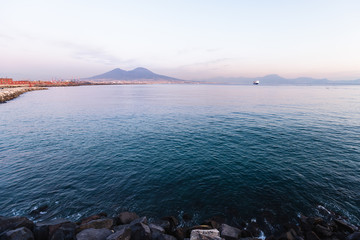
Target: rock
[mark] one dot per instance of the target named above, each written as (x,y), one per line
(66,231)
(12,223)
(22,233)
(172,220)
(97,224)
(139,220)
(316,220)
(312,236)
(245,234)
(165,225)
(354,236)
(140,230)
(271,237)
(121,227)
(344,226)
(45,230)
(181,233)
(161,236)
(229,233)
(93,234)
(339,235)
(93,217)
(126,217)
(291,235)
(156,228)
(198,234)
(124,234)
(202,227)
(211,223)
(253,228)
(305,225)
(322,231)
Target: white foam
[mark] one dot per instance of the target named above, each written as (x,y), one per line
(262,235)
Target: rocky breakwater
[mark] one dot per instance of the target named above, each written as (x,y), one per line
(129,226)
(8,94)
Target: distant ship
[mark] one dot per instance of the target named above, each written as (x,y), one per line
(256,82)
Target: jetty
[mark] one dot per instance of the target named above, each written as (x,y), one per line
(7,94)
(130,226)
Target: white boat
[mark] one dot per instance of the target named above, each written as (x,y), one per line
(256,82)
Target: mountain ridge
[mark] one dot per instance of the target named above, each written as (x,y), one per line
(274,79)
(138,73)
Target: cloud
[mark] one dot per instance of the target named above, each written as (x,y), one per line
(213,49)
(6,37)
(210,63)
(93,54)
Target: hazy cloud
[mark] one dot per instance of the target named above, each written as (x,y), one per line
(212,49)
(208,63)
(6,37)
(93,54)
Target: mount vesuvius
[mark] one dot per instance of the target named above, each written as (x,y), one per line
(136,75)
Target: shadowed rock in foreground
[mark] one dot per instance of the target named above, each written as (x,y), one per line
(8,94)
(129,226)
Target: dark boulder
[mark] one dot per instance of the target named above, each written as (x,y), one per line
(165,225)
(316,220)
(139,220)
(125,218)
(93,217)
(93,234)
(289,235)
(339,235)
(12,223)
(312,236)
(229,233)
(271,237)
(121,227)
(22,233)
(342,225)
(253,228)
(161,236)
(97,224)
(124,234)
(181,233)
(45,230)
(354,236)
(172,220)
(156,228)
(245,234)
(322,231)
(305,225)
(211,223)
(66,231)
(140,230)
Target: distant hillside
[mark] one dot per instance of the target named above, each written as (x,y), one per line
(277,80)
(139,74)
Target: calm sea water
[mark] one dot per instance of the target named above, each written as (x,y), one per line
(236,151)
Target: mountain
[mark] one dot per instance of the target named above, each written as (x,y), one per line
(138,74)
(274,79)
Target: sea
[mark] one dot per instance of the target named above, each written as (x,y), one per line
(236,152)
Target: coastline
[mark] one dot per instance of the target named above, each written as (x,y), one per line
(130,226)
(9,93)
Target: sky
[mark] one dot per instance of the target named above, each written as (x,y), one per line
(186,39)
